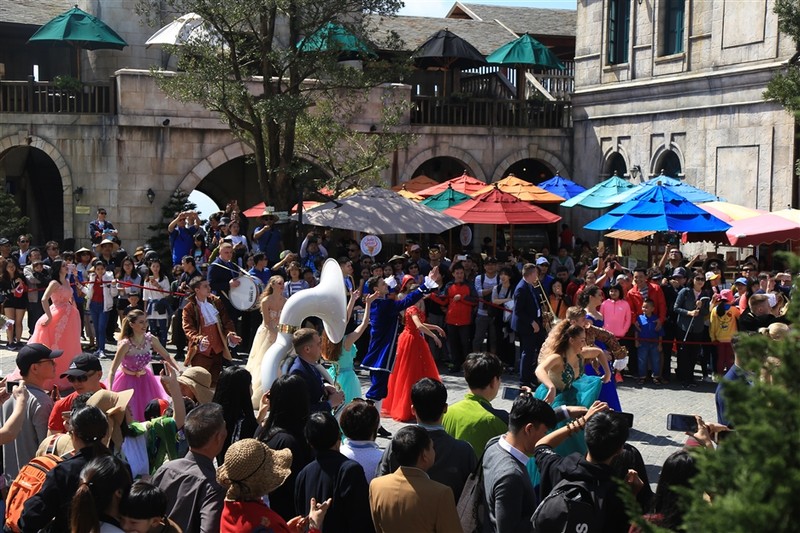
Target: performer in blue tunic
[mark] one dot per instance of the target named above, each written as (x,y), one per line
(384,319)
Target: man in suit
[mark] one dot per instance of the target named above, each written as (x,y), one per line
(408,500)
(510,498)
(526,321)
(308,345)
(208,329)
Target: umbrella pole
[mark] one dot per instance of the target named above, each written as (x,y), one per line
(521,82)
(494,239)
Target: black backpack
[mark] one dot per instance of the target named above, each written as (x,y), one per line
(471,506)
(572,506)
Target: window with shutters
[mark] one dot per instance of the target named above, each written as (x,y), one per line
(673,26)
(619,25)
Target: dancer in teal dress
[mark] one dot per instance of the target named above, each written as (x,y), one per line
(560,372)
(342,353)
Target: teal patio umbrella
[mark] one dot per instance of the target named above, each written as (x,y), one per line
(693,194)
(597,196)
(336,38)
(524,52)
(80,30)
(445,199)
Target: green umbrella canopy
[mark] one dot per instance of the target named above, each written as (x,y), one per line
(445,199)
(525,51)
(333,37)
(598,196)
(79,29)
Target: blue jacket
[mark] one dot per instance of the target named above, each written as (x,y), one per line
(526,309)
(314,383)
(383,316)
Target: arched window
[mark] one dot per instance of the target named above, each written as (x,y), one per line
(670,164)
(616,164)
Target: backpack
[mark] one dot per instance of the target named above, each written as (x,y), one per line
(572,506)
(27,483)
(471,507)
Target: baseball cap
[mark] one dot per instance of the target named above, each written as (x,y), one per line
(679,272)
(711,275)
(4,241)
(33,353)
(82,364)
(415,248)
(542,261)
(743,281)
(727,295)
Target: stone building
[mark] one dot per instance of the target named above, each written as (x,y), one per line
(678,86)
(119,143)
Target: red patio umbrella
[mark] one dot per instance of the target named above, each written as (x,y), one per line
(498,207)
(466,184)
(763,229)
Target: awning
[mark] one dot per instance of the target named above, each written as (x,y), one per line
(629,235)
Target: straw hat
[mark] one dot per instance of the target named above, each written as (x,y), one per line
(253,469)
(114,245)
(199,380)
(82,251)
(113,404)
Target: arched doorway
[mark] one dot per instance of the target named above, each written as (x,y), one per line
(442,169)
(615,164)
(33,179)
(530,170)
(669,164)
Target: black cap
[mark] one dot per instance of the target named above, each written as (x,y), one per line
(33,353)
(490,261)
(82,364)
(679,272)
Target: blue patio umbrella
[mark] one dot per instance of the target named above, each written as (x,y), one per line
(681,188)
(445,199)
(658,209)
(597,197)
(562,187)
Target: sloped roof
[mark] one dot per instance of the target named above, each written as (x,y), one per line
(536,21)
(483,35)
(32,12)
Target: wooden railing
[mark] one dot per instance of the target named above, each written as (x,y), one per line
(490,112)
(559,83)
(30,96)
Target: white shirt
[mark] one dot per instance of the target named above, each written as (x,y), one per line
(209,312)
(482,283)
(515,453)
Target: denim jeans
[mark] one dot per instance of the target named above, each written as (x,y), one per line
(648,355)
(158,327)
(99,319)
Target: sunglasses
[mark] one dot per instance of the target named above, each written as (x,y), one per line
(80,379)
(23,240)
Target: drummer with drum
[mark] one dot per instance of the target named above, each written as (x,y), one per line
(222,276)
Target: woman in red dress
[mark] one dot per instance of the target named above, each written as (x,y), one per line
(413,361)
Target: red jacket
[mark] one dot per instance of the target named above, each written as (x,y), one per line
(654,292)
(459,313)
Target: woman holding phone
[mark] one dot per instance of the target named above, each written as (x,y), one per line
(131,366)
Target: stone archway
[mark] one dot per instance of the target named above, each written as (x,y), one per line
(549,159)
(33,141)
(207,164)
(446,151)
(671,151)
(607,166)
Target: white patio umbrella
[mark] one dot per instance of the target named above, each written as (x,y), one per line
(189,28)
(380,212)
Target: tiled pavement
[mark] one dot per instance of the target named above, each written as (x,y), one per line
(649,405)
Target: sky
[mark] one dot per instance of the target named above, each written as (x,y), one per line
(439,8)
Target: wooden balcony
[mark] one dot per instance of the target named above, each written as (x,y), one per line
(94,98)
(490,112)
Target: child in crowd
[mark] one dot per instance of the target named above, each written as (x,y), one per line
(724,326)
(647,342)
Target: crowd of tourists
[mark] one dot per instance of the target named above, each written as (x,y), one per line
(190,439)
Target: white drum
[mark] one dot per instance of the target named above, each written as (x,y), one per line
(245,296)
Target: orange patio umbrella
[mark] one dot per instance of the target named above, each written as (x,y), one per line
(410,195)
(464,183)
(523,190)
(415,184)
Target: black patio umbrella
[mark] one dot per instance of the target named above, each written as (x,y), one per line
(444,50)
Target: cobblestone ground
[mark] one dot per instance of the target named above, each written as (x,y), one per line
(649,404)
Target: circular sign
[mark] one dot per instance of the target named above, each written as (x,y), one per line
(465,236)
(371,245)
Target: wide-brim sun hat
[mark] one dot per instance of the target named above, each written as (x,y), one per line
(199,380)
(252,469)
(113,404)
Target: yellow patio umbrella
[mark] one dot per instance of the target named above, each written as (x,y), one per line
(730,212)
(789,214)
(410,195)
(525,191)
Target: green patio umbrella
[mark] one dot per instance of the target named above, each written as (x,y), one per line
(445,199)
(524,52)
(333,37)
(78,29)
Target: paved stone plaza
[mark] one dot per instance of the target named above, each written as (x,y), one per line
(650,406)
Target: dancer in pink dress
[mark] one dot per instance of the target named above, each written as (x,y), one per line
(413,362)
(131,368)
(60,326)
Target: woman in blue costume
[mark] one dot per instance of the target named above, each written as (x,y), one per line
(342,353)
(560,372)
(590,300)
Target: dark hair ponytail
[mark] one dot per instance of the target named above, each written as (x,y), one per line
(99,481)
